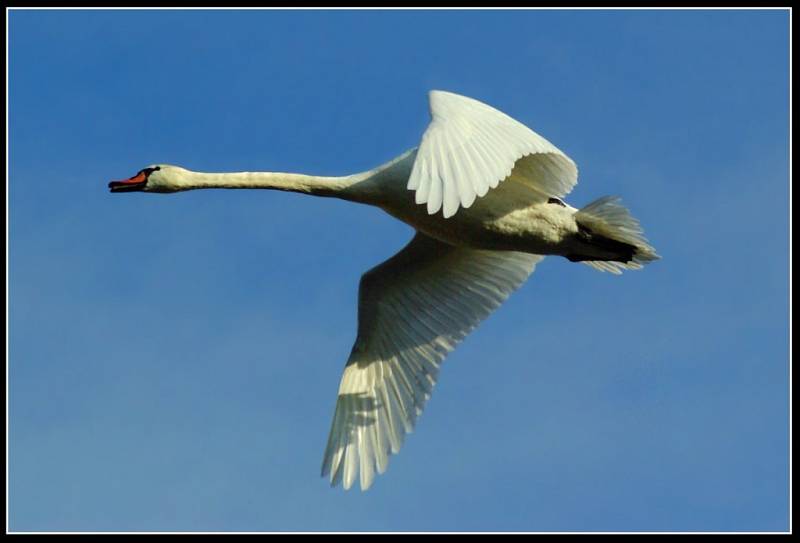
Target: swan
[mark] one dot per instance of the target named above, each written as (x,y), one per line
(485,196)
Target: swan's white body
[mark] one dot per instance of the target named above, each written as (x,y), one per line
(497,185)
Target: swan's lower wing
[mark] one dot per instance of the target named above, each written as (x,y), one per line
(470,147)
(413,309)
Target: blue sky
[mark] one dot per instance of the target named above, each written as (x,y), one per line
(174,359)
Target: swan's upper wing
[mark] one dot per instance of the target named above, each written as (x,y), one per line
(412,310)
(469,147)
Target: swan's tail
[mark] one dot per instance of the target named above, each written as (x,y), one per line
(612,238)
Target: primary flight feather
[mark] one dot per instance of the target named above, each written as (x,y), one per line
(484,194)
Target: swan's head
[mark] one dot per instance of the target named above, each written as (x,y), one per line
(155,178)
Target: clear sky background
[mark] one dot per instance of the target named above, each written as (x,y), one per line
(174,359)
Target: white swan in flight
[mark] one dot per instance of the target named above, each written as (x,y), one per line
(484,193)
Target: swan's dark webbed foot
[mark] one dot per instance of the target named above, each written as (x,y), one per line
(619,251)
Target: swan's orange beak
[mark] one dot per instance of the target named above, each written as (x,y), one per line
(137,182)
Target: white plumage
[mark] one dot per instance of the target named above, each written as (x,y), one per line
(498,185)
(413,310)
(470,147)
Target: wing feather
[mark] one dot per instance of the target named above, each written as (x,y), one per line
(470,147)
(413,310)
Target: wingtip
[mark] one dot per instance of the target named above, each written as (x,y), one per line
(434,94)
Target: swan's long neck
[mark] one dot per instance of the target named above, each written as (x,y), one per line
(379,186)
(294,182)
